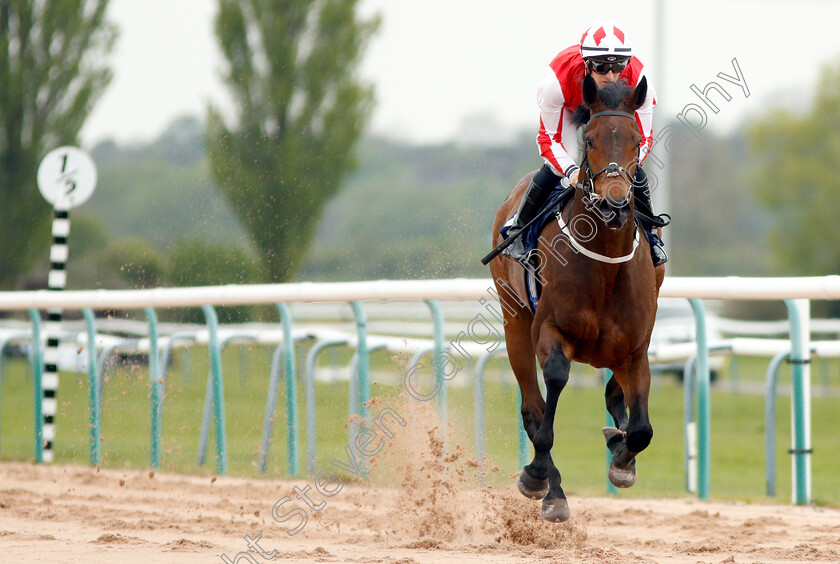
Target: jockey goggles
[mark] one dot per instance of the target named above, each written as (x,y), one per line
(601,67)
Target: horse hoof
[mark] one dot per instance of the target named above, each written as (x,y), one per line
(610,432)
(555,510)
(531,487)
(623,477)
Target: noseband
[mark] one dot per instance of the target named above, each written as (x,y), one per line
(612,169)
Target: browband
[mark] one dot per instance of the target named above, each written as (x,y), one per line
(612,113)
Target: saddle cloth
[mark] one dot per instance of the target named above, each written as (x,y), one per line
(531,238)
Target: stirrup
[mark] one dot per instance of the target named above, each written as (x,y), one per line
(516,250)
(658,255)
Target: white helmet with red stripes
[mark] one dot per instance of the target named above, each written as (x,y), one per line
(605,41)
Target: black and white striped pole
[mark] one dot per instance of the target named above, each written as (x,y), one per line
(66,178)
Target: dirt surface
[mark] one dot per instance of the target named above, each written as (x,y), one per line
(79,514)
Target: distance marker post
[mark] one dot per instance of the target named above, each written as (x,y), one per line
(66,178)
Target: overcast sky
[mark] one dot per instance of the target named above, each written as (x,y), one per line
(437,63)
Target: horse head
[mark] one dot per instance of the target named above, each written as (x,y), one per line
(611,148)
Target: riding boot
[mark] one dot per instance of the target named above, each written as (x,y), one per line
(535,196)
(649,220)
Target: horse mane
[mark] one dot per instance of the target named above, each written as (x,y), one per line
(581,116)
(611,95)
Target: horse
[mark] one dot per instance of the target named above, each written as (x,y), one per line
(598,301)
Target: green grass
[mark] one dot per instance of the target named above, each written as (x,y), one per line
(737,439)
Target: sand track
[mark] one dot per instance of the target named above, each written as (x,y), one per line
(79,514)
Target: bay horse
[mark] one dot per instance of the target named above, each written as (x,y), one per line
(598,301)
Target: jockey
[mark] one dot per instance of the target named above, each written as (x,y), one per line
(605,54)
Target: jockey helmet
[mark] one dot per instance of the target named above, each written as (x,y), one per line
(606,42)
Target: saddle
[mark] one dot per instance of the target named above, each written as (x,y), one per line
(563,194)
(560,195)
(532,235)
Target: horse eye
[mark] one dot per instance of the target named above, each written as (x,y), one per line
(589,142)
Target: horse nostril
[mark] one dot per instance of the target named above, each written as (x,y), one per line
(615,203)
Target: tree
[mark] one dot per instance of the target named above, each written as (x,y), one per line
(300,110)
(51,73)
(798,179)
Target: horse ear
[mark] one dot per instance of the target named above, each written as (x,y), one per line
(590,90)
(640,93)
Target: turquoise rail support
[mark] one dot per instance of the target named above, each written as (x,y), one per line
(437,320)
(309,382)
(362,397)
(606,374)
(37,374)
(703,400)
(102,365)
(188,336)
(217,387)
(478,401)
(292,439)
(524,451)
(478,407)
(94,393)
(355,391)
(156,382)
(689,425)
(690,453)
(522,435)
(799,315)
(209,402)
(285,354)
(770,383)
(270,405)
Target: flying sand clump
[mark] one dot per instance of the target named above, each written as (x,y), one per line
(440,498)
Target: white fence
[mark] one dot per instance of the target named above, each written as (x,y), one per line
(800,289)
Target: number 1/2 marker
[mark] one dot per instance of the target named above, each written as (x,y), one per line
(66,178)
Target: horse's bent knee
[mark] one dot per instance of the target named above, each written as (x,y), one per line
(556,370)
(543,440)
(639,439)
(531,420)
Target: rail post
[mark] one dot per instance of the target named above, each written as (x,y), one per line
(437,320)
(309,383)
(703,407)
(799,313)
(289,375)
(217,387)
(156,383)
(94,416)
(770,421)
(363,368)
(37,373)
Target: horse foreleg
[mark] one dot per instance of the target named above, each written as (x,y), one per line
(614,398)
(626,443)
(556,373)
(523,363)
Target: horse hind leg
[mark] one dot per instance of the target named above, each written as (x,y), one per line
(615,436)
(614,399)
(630,439)
(620,475)
(554,506)
(530,486)
(523,363)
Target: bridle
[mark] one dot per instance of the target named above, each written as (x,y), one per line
(588,187)
(611,169)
